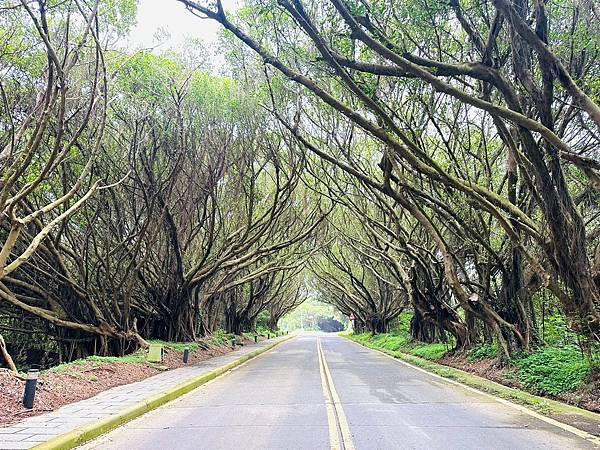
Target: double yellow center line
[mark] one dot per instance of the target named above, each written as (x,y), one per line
(340,437)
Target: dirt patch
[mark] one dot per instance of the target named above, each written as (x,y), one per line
(486,368)
(586,397)
(173,359)
(84,380)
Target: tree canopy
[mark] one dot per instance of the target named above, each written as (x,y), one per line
(440,158)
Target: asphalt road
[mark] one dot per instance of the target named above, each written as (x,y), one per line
(324,392)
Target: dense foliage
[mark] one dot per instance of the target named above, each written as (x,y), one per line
(433,157)
(141,197)
(460,140)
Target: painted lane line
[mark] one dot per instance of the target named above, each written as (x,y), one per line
(342,421)
(334,439)
(595,440)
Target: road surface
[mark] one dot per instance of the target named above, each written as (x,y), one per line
(325,392)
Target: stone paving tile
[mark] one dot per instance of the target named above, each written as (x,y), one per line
(16,437)
(17,445)
(36,419)
(39,438)
(69,420)
(34,430)
(11,430)
(43,430)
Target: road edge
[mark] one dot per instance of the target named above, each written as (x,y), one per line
(86,433)
(514,398)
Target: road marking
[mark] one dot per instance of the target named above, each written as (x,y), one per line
(563,426)
(334,439)
(336,417)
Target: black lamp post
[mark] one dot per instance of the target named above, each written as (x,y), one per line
(30,384)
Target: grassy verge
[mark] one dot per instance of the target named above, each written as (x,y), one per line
(219,338)
(544,369)
(138,357)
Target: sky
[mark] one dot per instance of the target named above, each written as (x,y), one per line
(159,16)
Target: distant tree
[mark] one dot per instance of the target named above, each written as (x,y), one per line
(330,325)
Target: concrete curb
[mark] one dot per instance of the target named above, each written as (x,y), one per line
(86,433)
(515,398)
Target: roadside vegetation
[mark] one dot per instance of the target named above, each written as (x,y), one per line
(556,369)
(434,161)
(146,203)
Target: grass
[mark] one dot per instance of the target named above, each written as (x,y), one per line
(395,342)
(549,371)
(219,337)
(430,351)
(176,346)
(138,357)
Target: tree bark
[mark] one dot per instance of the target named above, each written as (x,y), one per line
(6,356)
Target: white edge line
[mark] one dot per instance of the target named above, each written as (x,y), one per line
(576,431)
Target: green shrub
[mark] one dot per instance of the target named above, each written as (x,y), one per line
(263,330)
(138,357)
(176,346)
(552,371)
(401,325)
(262,320)
(556,331)
(219,337)
(483,351)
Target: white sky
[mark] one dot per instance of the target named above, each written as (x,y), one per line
(172,17)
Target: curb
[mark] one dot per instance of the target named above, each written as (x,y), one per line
(86,433)
(478,385)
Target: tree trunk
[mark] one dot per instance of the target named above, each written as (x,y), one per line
(6,356)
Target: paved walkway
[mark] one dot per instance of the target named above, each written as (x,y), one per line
(36,430)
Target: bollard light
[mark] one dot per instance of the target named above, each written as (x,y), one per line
(30,384)
(233,342)
(256,338)
(186,354)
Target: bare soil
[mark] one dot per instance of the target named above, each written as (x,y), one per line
(84,380)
